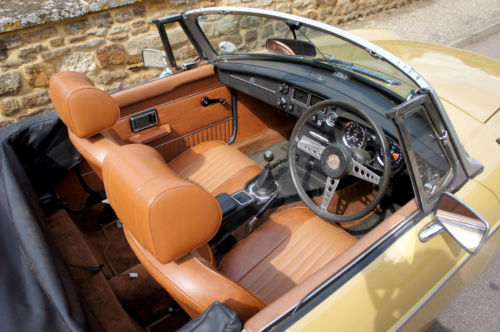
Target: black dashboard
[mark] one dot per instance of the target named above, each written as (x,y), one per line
(293,88)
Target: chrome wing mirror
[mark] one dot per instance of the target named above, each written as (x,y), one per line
(459,220)
(156,59)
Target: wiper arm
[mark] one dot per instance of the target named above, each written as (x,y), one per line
(361,70)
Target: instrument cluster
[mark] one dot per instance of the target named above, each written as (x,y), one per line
(336,127)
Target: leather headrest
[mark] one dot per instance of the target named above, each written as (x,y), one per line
(167,215)
(84,109)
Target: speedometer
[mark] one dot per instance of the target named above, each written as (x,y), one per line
(354,135)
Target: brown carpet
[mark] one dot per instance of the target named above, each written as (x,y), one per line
(142,297)
(94,286)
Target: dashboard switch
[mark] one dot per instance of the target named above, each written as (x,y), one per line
(283,103)
(283,88)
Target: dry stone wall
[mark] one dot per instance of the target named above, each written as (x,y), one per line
(104,39)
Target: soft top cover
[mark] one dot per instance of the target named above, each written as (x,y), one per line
(37,292)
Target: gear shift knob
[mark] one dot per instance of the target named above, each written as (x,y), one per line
(268,156)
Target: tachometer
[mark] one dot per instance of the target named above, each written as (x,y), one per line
(354,135)
(394,153)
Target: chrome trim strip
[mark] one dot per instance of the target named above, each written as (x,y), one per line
(334,277)
(319,137)
(251,83)
(437,288)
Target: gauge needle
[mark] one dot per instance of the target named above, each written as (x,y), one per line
(395,156)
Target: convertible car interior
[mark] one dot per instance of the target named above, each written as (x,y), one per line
(251,181)
(181,204)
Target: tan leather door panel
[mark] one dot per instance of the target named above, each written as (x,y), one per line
(183,121)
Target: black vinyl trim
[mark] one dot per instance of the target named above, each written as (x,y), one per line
(234,106)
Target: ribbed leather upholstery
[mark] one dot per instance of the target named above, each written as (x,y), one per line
(215,166)
(88,112)
(287,249)
(283,252)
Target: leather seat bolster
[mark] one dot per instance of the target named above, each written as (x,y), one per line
(215,166)
(169,216)
(195,285)
(84,109)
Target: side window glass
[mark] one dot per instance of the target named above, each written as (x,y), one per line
(184,52)
(432,165)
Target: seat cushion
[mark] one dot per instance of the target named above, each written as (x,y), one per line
(288,248)
(216,166)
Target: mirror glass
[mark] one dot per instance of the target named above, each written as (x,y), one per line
(154,58)
(465,225)
(290,47)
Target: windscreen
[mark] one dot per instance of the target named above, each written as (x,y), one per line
(251,34)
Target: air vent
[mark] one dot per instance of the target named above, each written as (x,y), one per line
(316,99)
(300,95)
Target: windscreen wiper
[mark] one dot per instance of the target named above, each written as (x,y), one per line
(360,70)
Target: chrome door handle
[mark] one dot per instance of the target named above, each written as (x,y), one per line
(430,230)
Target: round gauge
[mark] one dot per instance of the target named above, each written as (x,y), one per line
(330,119)
(394,153)
(354,135)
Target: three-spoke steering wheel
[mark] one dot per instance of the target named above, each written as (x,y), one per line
(337,161)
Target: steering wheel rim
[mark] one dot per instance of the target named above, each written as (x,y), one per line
(383,180)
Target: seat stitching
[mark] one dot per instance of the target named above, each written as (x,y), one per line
(258,276)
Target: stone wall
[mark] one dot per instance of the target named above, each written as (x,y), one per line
(104,39)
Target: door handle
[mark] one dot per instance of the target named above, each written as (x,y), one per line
(430,230)
(205,101)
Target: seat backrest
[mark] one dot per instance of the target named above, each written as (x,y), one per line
(168,221)
(167,215)
(87,112)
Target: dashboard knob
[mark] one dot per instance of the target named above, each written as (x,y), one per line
(310,164)
(283,103)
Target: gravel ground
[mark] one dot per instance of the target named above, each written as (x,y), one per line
(434,21)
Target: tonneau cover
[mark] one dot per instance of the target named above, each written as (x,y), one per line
(37,292)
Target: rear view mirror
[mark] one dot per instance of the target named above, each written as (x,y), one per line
(156,59)
(465,225)
(290,47)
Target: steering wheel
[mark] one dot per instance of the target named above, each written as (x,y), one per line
(337,162)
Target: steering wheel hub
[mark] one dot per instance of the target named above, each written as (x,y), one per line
(336,161)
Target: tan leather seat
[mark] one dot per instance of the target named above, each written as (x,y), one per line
(89,113)
(168,221)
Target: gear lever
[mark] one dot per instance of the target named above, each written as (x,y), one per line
(265,184)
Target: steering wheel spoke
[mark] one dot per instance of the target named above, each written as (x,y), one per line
(364,173)
(335,160)
(330,188)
